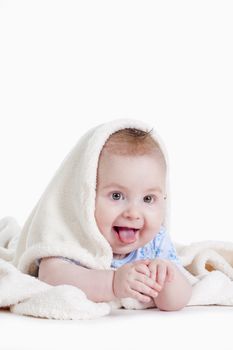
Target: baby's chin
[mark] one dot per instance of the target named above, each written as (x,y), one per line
(121,253)
(119,256)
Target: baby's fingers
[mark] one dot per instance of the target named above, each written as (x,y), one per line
(140,297)
(170,273)
(143,289)
(165,273)
(161,273)
(148,282)
(142,269)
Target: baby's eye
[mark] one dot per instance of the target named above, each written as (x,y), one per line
(116,196)
(149,199)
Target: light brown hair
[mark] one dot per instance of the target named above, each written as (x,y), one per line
(133,142)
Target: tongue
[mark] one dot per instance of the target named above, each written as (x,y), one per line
(126,235)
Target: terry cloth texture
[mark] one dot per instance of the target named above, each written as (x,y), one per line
(63,224)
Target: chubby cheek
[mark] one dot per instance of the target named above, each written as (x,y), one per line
(104,217)
(154,223)
(99,217)
(150,231)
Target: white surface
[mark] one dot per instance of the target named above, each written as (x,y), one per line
(192,328)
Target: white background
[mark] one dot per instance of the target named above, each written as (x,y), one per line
(66,66)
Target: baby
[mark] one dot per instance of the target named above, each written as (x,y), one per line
(130,208)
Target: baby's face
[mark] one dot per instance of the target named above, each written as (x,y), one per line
(130,201)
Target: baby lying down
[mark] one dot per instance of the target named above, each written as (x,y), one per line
(113,243)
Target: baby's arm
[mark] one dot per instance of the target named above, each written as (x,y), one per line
(130,280)
(97,284)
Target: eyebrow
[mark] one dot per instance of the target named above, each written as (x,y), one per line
(153,189)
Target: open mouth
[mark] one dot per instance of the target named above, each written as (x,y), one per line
(126,234)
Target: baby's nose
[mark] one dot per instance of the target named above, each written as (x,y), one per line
(132,213)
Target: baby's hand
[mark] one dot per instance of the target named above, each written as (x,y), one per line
(133,280)
(161,271)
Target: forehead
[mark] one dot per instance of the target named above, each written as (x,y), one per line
(108,159)
(130,170)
